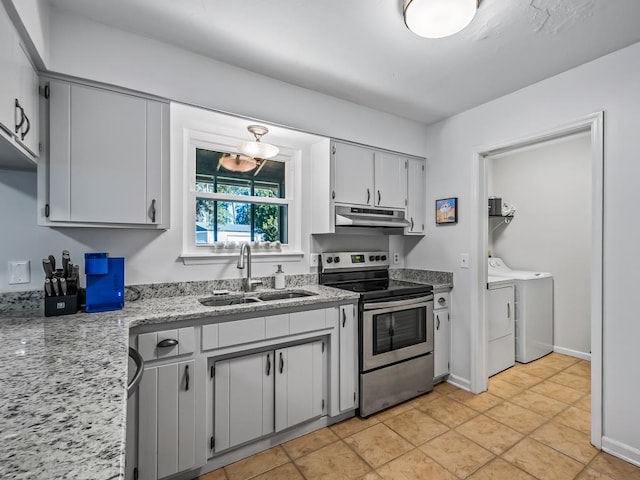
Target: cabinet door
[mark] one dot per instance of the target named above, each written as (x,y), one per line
(107,156)
(176,418)
(9,73)
(243,399)
(148,425)
(352,174)
(441,342)
(299,371)
(348,357)
(500,311)
(416,197)
(390,181)
(29,100)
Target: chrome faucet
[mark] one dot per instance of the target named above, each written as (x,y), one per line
(247,283)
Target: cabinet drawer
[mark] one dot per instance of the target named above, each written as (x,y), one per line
(241,331)
(149,343)
(440,300)
(307,321)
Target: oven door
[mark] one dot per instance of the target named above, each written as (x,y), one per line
(396,330)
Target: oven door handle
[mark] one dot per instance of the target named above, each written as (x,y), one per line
(399,303)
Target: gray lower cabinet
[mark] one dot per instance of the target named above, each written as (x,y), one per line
(266,392)
(166,423)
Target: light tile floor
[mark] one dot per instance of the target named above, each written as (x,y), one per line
(533,423)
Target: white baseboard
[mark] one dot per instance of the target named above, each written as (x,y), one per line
(572,353)
(459,382)
(620,450)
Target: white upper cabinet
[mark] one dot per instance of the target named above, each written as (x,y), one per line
(18,101)
(108,158)
(390,180)
(353,170)
(416,198)
(363,176)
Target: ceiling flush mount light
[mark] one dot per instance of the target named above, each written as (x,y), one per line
(258,150)
(438,18)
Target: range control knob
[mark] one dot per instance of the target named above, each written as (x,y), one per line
(329,259)
(384,258)
(371,258)
(377,258)
(336,259)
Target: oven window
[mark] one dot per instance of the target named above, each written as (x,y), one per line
(396,330)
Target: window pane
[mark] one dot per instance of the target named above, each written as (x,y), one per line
(234,222)
(205,221)
(269,176)
(270,223)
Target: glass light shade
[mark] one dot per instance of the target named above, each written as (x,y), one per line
(438,18)
(258,150)
(237,163)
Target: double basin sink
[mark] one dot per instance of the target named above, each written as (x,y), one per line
(223,300)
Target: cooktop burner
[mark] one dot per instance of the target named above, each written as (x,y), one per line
(366,273)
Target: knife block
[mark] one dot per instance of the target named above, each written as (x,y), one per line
(105,282)
(62,304)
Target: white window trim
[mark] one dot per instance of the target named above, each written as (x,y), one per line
(193,254)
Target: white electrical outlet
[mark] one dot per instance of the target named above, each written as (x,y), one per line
(464,260)
(396,258)
(313,259)
(19,272)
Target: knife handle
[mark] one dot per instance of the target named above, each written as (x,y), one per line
(63,286)
(48,270)
(54,284)
(52,259)
(47,286)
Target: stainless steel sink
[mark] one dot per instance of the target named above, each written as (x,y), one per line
(222,301)
(285,295)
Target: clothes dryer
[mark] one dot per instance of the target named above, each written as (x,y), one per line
(533,309)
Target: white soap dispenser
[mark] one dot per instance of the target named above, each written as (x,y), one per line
(279,280)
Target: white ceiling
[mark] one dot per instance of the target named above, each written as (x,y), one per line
(361,51)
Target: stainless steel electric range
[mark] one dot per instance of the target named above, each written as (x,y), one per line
(395,328)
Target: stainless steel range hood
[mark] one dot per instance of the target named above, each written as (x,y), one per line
(371,217)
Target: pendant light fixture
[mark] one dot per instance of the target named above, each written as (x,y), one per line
(234,162)
(438,18)
(257,149)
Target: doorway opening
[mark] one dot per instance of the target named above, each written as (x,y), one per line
(591,127)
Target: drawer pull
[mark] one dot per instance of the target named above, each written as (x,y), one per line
(441,301)
(168,342)
(281,363)
(186,377)
(268,364)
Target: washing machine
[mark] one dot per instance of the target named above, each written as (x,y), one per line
(533,309)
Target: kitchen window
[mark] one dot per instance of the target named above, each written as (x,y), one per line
(239,206)
(223,208)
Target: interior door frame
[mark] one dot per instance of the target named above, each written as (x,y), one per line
(594,124)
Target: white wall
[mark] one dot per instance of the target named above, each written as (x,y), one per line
(550,184)
(90,50)
(610,84)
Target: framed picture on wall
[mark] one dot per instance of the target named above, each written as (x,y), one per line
(447,211)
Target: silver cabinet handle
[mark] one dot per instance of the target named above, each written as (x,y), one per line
(135,381)
(186,377)
(344,317)
(412,224)
(23,133)
(168,342)
(18,108)
(281,363)
(268,364)
(508,310)
(379,197)
(153,210)
(368,194)
(437,322)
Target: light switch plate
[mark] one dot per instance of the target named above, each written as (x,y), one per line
(464,260)
(313,259)
(396,258)
(19,272)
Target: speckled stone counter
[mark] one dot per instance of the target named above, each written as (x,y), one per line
(63,383)
(439,280)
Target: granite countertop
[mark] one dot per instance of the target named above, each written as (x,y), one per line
(63,383)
